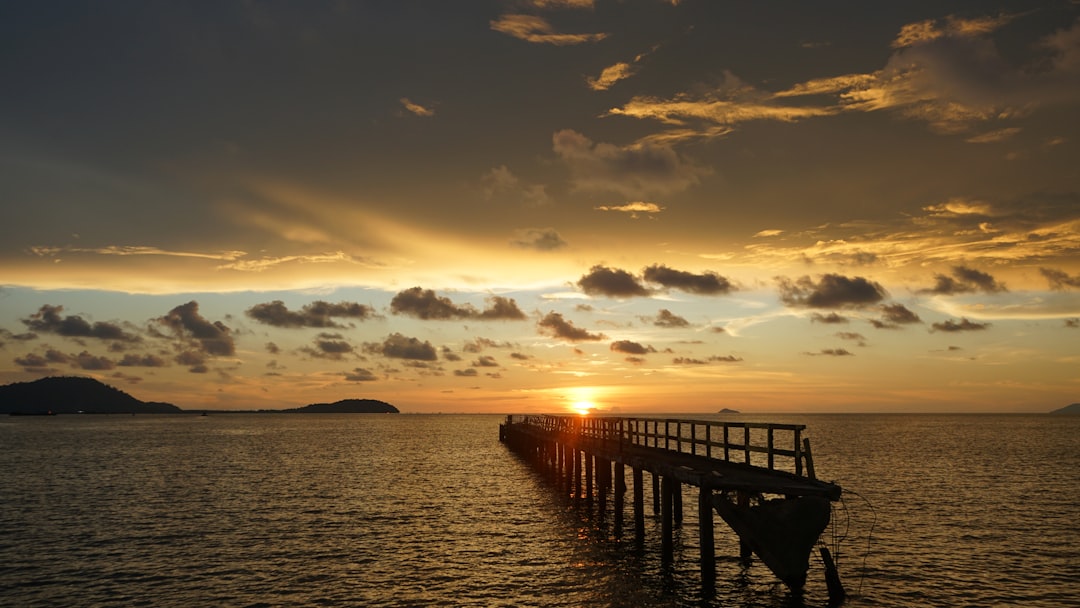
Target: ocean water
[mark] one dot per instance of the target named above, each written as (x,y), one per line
(420,510)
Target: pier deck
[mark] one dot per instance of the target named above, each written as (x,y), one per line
(732,464)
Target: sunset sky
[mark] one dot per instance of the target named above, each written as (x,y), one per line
(536,205)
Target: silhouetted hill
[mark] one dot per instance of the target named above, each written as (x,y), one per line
(71,395)
(1068,409)
(348,406)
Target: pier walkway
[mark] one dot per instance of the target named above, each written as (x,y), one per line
(759,477)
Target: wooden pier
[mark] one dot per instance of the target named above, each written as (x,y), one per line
(759,477)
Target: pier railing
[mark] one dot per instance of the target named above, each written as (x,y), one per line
(774,446)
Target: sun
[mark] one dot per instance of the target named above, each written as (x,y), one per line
(583,408)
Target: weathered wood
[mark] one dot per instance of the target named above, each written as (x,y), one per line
(706,536)
(832,579)
(682,452)
(667,503)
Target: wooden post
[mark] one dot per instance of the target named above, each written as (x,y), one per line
(577,472)
(667,542)
(603,482)
(832,579)
(706,540)
(676,502)
(588,476)
(639,506)
(809,459)
(655,493)
(620,489)
(742,499)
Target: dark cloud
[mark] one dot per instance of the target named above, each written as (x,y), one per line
(1072,323)
(711,359)
(540,239)
(186,323)
(468,373)
(190,358)
(24,337)
(485,361)
(425,304)
(87,361)
(964,280)
(853,336)
(832,291)
(48,320)
(831,318)
(198,369)
(611,282)
(1060,280)
(708,283)
(133,360)
(631,348)
(272,348)
(832,352)
(554,324)
(479,344)
(398,346)
(329,346)
(898,314)
(316,314)
(633,171)
(360,374)
(520,356)
(665,318)
(32,362)
(961,325)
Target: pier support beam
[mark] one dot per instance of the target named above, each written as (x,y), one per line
(707,541)
(620,490)
(639,506)
(667,501)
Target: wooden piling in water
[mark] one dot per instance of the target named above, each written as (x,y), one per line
(777,529)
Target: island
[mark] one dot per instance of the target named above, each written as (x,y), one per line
(728,410)
(1068,409)
(347,406)
(74,395)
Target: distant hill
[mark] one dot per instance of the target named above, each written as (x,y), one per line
(72,395)
(1068,409)
(728,410)
(348,406)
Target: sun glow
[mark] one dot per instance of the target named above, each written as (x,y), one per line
(583,408)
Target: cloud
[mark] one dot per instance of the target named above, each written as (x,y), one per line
(32,362)
(133,360)
(539,239)
(425,304)
(961,325)
(48,320)
(853,336)
(359,374)
(272,348)
(531,28)
(466,373)
(948,74)
(554,324)
(1060,280)
(485,361)
(832,291)
(86,361)
(632,171)
(967,280)
(895,315)
(712,359)
(665,318)
(213,338)
(331,346)
(610,75)
(416,108)
(397,346)
(633,208)
(832,352)
(1072,323)
(611,282)
(831,318)
(500,183)
(707,283)
(631,348)
(315,314)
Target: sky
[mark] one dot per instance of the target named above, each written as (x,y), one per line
(530,206)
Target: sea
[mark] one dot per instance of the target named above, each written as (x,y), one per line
(278,509)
